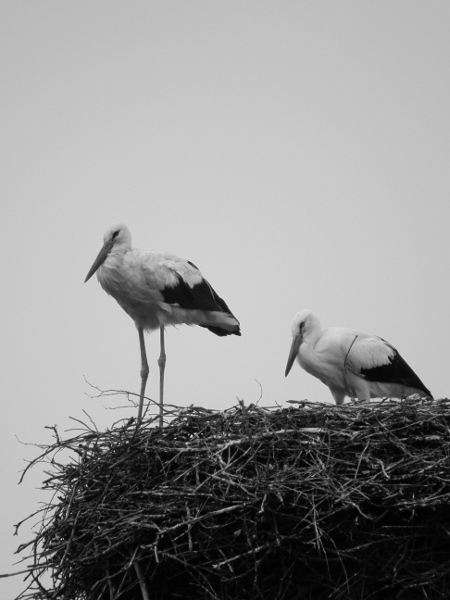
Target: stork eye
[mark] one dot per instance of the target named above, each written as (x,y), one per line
(115,234)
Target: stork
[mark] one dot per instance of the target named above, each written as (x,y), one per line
(157,289)
(351,363)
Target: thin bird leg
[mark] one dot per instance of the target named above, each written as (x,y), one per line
(162,366)
(144,374)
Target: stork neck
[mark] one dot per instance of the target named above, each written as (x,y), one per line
(312,331)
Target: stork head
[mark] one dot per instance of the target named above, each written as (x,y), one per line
(305,323)
(117,237)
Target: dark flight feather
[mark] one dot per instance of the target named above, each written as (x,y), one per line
(201,296)
(397,371)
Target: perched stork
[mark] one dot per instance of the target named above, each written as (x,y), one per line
(158,289)
(351,363)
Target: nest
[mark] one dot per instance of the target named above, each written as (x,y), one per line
(308,502)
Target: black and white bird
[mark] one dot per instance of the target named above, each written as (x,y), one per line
(351,363)
(158,289)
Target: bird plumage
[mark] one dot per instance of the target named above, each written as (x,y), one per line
(351,363)
(159,288)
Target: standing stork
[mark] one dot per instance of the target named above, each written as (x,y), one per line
(351,363)
(158,289)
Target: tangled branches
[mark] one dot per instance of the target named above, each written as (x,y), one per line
(309,502)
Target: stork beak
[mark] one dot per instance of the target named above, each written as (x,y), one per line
(106,249)
(296,343)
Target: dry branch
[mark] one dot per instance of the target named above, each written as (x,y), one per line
(302,503)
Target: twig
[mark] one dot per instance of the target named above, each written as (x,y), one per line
(345,366)
(141,580)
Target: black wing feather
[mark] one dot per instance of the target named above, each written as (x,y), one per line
(397,371)
(201,296)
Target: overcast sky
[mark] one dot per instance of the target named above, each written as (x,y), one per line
(296,151)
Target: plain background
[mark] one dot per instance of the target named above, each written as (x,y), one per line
(296,151)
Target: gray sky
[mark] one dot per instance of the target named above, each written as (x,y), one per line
(297,152)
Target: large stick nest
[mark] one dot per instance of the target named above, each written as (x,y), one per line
(308,502)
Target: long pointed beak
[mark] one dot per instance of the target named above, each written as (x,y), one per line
(296,343)
(106,248)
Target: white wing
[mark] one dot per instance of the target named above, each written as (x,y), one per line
(368,352)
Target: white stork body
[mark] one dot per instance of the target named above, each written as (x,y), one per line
(157,289)
(351,363)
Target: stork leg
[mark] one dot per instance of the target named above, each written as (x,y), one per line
(162,366)
(338,395)
(144,374)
